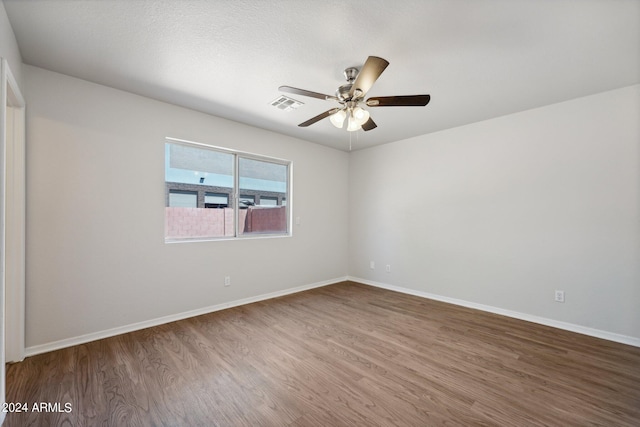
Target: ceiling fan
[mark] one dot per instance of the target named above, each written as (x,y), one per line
(350,96)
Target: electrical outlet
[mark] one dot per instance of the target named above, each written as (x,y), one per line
(559,296)
(388,268)
(372,265)
(227,280)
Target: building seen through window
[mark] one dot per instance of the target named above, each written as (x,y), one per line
(200,179)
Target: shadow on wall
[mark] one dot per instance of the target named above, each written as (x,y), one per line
(191,223)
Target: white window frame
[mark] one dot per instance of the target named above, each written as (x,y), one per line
(236,192)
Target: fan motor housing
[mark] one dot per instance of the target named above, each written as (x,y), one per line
(343,91)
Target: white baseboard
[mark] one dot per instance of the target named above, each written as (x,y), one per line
(69,342)
(624,339)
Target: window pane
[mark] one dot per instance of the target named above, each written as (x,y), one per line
(214,192)
(266,180)
(197,178)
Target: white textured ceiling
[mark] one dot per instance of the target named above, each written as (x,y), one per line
(477,59)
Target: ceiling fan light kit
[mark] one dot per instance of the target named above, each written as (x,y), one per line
(356,117)
(337,118)
(352,94)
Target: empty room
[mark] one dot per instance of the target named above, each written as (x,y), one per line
(320,213)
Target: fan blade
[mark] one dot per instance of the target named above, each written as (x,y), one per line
(370,72)
(319,117)
(399,101)
(369,124)
(303,92)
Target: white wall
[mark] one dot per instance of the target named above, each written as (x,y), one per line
(9,46)
(503,212)
(96,257)
(499,213)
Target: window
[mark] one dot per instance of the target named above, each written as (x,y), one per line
(247,200)
(214,193)
(216,200)
(184,199)
(268,201)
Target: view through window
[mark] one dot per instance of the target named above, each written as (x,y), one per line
(213,193)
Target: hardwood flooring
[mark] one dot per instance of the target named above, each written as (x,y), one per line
(341,355)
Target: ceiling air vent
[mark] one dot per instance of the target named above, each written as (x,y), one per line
(285,103)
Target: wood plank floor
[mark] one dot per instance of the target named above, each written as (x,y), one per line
(346,354)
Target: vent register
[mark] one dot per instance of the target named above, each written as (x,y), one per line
(285,103)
